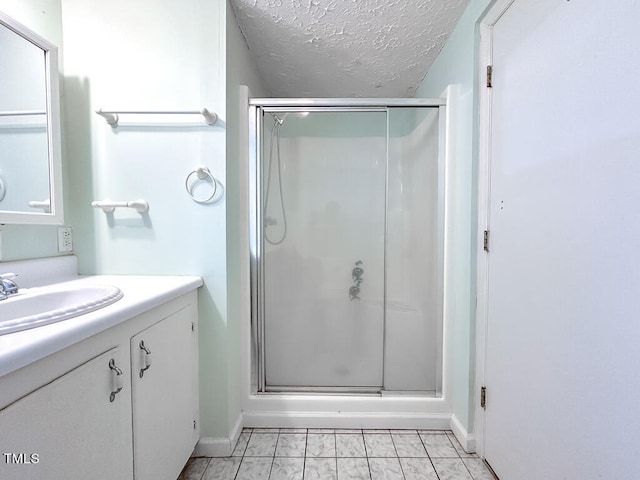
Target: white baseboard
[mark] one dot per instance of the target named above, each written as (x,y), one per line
(223,447)
(212,447)
(236,430)
(467,440)
(219,447)
(384,420)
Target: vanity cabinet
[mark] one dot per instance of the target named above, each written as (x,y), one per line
(94,415)
(70,428)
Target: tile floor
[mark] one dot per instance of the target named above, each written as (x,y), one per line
(327,454)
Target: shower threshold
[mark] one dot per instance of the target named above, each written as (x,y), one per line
(363,391)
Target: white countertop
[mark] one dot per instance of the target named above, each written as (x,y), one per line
(141,293)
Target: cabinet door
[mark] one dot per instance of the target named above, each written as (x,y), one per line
(164,397)
(71,428)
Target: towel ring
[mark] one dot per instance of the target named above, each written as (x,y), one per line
(201,173)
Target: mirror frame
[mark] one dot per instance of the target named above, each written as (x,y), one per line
(55,216)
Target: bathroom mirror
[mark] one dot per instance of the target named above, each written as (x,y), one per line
(30,157)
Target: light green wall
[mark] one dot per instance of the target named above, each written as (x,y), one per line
(117,67)
(240,71)
(41,16)
(457,65)
(19,242)
(111,60)
(151,55)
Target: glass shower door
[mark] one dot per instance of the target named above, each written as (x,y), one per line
(323,182)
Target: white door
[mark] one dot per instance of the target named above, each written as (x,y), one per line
(563,306)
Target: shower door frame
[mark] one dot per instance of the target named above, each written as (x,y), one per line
(256,221)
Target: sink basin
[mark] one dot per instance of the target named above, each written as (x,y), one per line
(35,307)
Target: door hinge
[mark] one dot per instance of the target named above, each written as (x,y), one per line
(483,397)
(489,76)
(485,240)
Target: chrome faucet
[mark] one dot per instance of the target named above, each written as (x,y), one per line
(7,285)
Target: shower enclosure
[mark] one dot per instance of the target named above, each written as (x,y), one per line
(347,217)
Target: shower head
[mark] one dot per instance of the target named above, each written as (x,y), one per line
(280,120)
(277,118)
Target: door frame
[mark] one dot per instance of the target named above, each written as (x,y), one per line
(485,58)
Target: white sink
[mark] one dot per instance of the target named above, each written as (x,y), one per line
(35,307)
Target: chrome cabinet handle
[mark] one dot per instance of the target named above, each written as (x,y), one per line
(147,358)
(118,379)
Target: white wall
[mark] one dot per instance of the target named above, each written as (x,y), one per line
(151,55)
(456,65)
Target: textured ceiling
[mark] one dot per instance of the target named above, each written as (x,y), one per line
(345,48)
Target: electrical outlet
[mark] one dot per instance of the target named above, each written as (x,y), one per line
(65,239)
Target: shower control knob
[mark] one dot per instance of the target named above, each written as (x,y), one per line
(353,293)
